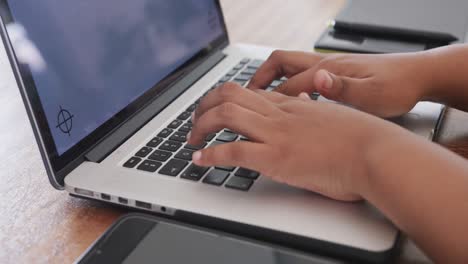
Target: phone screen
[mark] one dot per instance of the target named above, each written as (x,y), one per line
(175,244)
(146,240)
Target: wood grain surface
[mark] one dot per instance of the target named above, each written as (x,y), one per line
(39,224)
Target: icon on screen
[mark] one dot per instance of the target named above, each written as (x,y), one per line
(64,121)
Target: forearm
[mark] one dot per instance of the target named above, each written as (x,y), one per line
(423,189)
(446,71)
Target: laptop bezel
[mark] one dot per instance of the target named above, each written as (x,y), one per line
(58,166)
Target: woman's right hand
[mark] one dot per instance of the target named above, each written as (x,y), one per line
(384,85)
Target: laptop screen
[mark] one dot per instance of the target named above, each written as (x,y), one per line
(90,59)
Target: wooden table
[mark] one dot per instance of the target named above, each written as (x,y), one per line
(42,225)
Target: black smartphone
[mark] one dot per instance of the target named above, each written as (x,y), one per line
(139,238)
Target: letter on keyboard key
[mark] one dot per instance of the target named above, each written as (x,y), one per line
(169,145)
(132,162)
(185,154)
(175,124)
(179,136)
(149,165)
(184,116)
(154,142)
(173,167)
(160,155)
(186,127)
(143,152)
(194,172)
(165,132)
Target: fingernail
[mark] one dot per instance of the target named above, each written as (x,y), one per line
(188,135)
(193,117)
(325,81)
(196,157)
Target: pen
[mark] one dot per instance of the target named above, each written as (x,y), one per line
(392,33)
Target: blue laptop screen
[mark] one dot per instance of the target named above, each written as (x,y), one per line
(89,59)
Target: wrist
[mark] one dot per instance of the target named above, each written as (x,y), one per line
(424,74)
(435,66)
(382,147)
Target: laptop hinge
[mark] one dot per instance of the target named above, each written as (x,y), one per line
(119,135)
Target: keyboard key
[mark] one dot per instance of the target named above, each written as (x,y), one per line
(216,177)
(165,132)
(249,71)
(179,136)
(246,173)
(192,147)
(143,152)
(173,167)
(241,83)
(175,124)
(275,83)
(149,165)
(184,116)
(160,155)
(244,61)
(185,154)
(314,96)
(232,72)
(255,64)
(191,108)
(132,162)
(227,137)
(215,143)
(226,168)
(194,172)
(186,127)
(238,66)
(239,183)
(242,77)
(154,142)
(225,79)
(169,145)
(210,137)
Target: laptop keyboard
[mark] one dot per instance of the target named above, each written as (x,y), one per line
(168,153)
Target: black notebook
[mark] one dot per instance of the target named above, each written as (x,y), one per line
(426,15)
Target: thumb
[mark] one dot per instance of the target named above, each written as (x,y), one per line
(299,83)
(338,88)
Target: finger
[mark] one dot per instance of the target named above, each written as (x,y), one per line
(282,63)
(342,89)
(235,117)
(302,82)
(233,93)
(272,96)
(250,155)
(279,98)
(304,96)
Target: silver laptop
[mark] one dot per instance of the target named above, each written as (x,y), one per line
(109,87)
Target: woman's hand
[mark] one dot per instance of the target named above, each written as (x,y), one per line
(313,145)
(384,85)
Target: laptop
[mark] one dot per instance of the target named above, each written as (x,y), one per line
(109,87)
